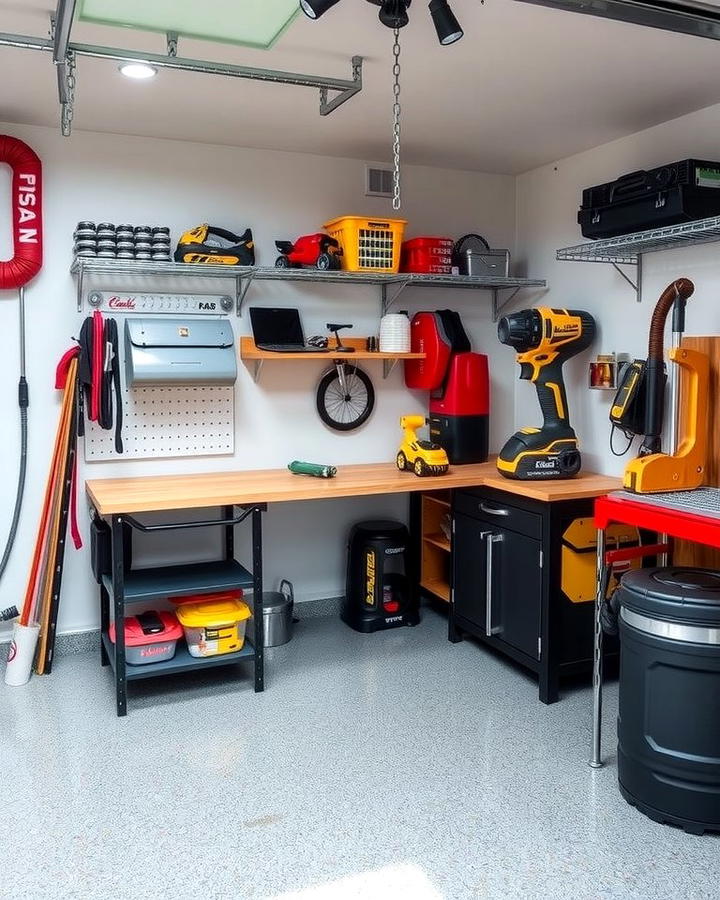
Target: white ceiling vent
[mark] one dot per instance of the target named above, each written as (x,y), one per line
(378,182)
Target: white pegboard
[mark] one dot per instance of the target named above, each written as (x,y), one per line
(168,422)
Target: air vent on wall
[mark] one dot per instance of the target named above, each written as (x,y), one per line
(378,182)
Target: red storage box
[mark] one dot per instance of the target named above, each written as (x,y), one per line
(427,255)
(149,637)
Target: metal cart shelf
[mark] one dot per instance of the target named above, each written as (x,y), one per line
(391,286)
(123,586)
(174,581)
(628,249)
(181,662)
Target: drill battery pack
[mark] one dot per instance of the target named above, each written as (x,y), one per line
(527,456)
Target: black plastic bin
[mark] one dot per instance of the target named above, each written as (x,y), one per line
(669,719)
(378,593)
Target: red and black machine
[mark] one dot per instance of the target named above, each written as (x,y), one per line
(458,382)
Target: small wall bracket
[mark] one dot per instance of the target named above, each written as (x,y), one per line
(326,107)
(635,285)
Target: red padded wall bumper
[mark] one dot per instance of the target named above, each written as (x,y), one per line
(26,201)
(467,391)
(425,337)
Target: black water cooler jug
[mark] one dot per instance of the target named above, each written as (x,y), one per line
(378,593)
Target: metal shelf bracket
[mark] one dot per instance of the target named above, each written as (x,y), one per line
(257,369)
(387,299)
(388,366)
(635,285)
(80,286)
(497,306)
(326,107)
(242,286)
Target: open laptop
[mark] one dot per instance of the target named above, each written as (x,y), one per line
(279,330)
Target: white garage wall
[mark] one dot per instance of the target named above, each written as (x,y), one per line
(281,195)
(547,202)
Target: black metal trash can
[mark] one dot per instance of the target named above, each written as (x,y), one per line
(669,719)
(378,593)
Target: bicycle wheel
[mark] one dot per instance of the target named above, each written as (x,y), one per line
(344,410)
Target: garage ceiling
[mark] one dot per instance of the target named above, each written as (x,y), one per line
(524,87)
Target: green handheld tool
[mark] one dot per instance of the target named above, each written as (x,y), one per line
(306,468)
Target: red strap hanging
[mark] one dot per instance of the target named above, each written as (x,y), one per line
(26,213)
(98,364)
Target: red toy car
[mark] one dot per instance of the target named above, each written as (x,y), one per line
(311,250)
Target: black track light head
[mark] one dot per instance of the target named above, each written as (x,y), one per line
(393,13)
(447,26)
(313,9)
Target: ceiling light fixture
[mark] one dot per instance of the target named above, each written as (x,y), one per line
(313,9)
(447,26)
(138,71)
(393,13)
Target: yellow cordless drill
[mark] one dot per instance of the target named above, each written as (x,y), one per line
(545,338)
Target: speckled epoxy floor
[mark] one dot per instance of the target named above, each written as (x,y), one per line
(392,765)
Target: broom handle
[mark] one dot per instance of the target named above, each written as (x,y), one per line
(40,541)
(54,530)
(54,558)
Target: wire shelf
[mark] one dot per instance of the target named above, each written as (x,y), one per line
(91,266)
(627,248)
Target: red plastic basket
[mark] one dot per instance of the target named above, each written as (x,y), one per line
(427,255)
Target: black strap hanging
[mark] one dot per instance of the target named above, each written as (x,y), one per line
(112,337)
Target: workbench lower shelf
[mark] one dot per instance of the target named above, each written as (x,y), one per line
(181,662)
(174,581)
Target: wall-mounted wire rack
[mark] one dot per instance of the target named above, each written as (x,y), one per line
(628,249)
(391,286)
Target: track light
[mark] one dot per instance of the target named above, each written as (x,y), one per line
(447,26)
(393,13)
(139,71)
(313,9)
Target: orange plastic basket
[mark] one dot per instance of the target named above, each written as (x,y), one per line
(369,245)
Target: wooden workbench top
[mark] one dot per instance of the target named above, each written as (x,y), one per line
(156,493)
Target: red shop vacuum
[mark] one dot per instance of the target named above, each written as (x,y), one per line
(458,382)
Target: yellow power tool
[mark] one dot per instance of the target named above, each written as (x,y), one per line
(545,338)
(212,246)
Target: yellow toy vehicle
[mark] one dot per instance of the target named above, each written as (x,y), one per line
(423,457)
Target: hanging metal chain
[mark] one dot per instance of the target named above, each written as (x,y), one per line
(68,111)
(396,200)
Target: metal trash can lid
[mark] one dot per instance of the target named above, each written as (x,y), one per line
(275,602)
(675,593)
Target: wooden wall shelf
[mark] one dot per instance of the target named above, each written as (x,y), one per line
(248,351)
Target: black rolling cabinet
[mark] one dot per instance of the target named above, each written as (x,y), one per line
(508,588)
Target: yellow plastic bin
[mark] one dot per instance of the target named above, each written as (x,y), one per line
(213,627)
(369,245)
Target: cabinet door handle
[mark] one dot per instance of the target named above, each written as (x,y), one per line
(489,541)
(493,511)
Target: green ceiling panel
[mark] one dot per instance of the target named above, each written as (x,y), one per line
(252,23)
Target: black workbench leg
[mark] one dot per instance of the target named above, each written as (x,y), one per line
(549,684)
(412,556)
(259,635)
(455,636)
(104,623)
(118,584)
(228,513)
